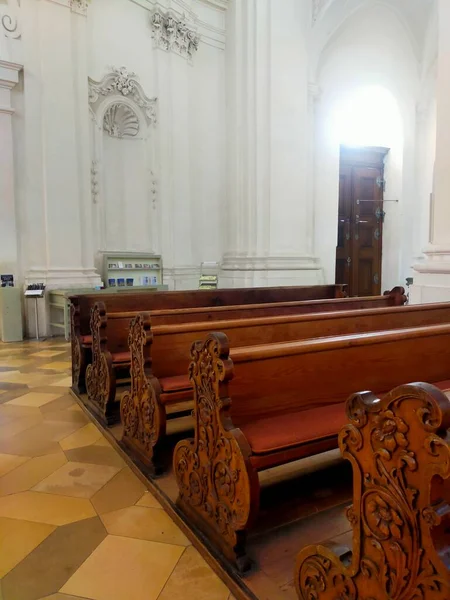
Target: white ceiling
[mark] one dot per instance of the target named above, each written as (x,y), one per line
(414,13)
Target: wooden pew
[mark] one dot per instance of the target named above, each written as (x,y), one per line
(160,357)
(81,306)
(101,384)
(399,448)
(286,402)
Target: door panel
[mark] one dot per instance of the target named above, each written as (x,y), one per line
(367,196)
(343,248)
(360,221)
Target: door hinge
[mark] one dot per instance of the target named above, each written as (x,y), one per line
(381,183)
(349,260)
(380,214)
(376,279)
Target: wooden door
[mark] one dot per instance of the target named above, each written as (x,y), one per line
(360,220)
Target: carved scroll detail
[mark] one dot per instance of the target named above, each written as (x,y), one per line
(98,372)
(211,470)
(141,414)
(75,345)
(396,451)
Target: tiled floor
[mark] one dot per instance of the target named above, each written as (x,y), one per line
(75,522)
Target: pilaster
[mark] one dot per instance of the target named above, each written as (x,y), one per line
(269,228)
(9,77)
(432,276)
(56,216)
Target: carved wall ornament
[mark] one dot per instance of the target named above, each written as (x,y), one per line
(120,121)
(94,181)
(173,34)
(121,82)
(9,19)
(79,5)
(396,451)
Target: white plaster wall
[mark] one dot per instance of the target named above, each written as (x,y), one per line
(372,48)
(189,138)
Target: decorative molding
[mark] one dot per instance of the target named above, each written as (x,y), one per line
(153,189)
(121,121)
(9,19)
(318,8)
(236,262)
(121,82)
(173,35)
(94,181)
(79,6)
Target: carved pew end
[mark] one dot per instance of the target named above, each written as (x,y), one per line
(236,557)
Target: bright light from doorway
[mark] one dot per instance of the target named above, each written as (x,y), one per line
(368,116)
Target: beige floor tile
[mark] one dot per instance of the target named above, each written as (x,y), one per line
(45,508)
(9,374)
(47,353)
(18,539)
(80,480)
(32,472)
(61,597)
(34,399)
(66,382)
(8,462)
(29,379)
(15,426)
(144,523)
(149,500)
(15,362)
(123,490)
(57,365)
(41,439)
(87,435)
(96,455)
(102,441)
(192,579)
(148,565)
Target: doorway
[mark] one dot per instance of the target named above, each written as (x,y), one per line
(360,219)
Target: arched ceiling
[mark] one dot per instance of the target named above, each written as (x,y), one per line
(329,15)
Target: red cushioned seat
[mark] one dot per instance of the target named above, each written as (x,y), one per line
(281,432)
(86,339)
(443,385)
(175,389)
(175,384)
(121,357)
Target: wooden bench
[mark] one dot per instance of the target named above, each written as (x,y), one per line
(286,402)
(399,448)
(81,306)
(160,357)
(101,393)
(111,356)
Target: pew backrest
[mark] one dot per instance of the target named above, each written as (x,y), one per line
(171,343)
(291,376)
(155,300)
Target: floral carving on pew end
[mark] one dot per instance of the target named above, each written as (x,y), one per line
(75,346)
(396,451)
(211,470)
(141,414)
(98,372)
